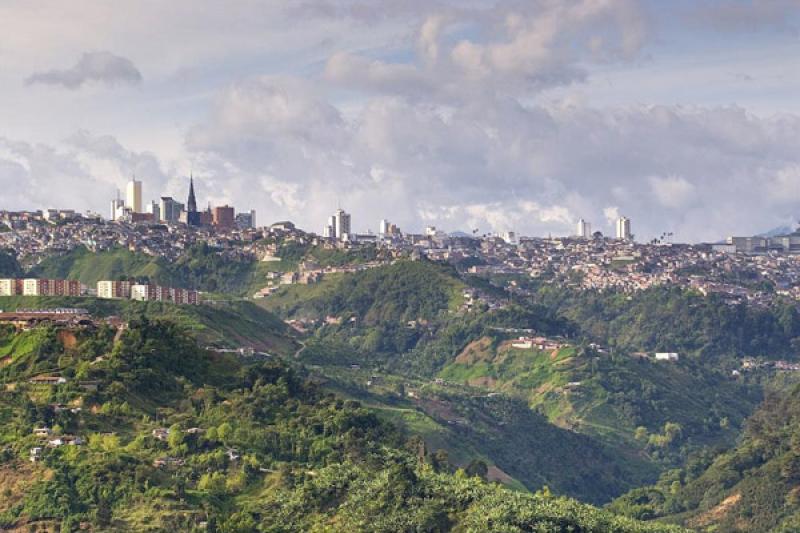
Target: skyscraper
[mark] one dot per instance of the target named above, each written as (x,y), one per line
(584,229)
(134,196)
(170,209)
(623,228)
(342,224)
(117,207)
(154,208)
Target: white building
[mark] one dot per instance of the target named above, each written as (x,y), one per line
(31,287)
(8,287)
(509,237)
(134,196)
(140,292)
(584,230)
(117,208)
(666,356)
(624,228)
(383,228)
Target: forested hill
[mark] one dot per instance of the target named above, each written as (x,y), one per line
(200,267)
(147,432)
(755,487)
(392,294)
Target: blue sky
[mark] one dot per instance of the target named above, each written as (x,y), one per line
(504,115)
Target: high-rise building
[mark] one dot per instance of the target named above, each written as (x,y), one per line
(584,229)
(154,208)
(117,208)
(246,220)
(170,209)
(341,224)
(384,227)
(223,217)
(134,196)
(624,228)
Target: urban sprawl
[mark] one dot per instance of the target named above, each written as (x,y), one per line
(753,269)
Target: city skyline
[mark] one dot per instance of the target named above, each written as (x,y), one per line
(506,116)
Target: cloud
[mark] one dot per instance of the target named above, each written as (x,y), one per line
(516,48)
(497,164)
(748,15)
(672,191)
(92,67)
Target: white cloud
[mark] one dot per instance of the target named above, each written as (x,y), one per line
(672,191)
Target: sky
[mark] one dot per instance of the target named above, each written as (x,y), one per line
(466,114)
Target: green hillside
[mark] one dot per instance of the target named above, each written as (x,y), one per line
(523,448)
(9,267)
(754,487)
(175,438)
(621,400)
(227,324)
(200,268)
(89,267)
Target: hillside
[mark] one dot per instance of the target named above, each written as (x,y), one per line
(624,401)
(521,446)
(9,267)
(228,325)
(752,488)
(199,268)
(170,437)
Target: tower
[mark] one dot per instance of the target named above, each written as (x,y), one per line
(192,216)
(134,196)
(624,228)
(342,224)
(191,203)
(584,229)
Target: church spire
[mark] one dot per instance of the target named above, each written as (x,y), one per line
(191,204)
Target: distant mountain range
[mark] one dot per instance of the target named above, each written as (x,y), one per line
(776,232)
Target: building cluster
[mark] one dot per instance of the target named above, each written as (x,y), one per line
(170,211)
(41,287)
(33,237)
(145,292)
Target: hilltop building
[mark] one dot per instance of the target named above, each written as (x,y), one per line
(623,229)
(170,209)
(134,196)
(338,226)
(584,230)
(223,217)
(191,216)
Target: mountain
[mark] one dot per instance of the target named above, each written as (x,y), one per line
(148,432)
(777,232)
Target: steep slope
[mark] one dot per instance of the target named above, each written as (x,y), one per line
(174,438)
(199,267)
(755,487)
(233,324)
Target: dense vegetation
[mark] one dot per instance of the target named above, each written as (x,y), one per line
(753,487)
(677,320)
(177,438)
(232,324)
(200,267)
(9,267)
